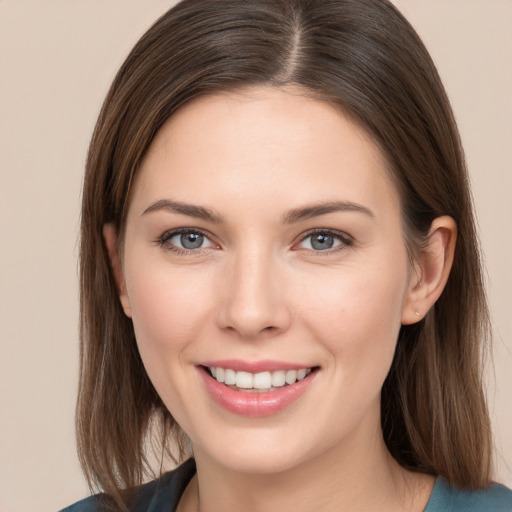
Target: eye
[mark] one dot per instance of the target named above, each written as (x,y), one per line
(185,240)
(324,241)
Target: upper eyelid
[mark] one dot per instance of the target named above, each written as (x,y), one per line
(166,236)
(340,234)
(173,232)
(346,241)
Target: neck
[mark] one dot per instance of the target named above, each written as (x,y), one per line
(357,474)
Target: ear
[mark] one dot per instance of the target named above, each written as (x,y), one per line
(432,270)
(110,236)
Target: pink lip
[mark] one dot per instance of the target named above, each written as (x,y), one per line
(253,366)
(254,404)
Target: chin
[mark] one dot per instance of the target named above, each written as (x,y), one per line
(258,463)
(261,452)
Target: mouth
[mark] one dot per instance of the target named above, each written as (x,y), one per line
(259,393)
(261,382)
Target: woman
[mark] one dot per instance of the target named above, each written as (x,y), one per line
(279,269)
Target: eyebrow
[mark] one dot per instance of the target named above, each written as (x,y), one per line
(199,212)
(290,217)
(309,212)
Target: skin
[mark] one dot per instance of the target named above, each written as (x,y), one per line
(257,289)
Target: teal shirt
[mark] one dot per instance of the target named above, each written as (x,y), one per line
(163,495)
(444,498)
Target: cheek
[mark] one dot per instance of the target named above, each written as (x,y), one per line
(358,325)
(169,311)
(167,307)
(356,312)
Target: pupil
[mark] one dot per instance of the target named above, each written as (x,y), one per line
(322,242)
(191,240)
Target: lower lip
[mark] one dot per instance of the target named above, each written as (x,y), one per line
(255,404)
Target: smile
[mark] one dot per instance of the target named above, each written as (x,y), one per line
(257,393)
(257,382)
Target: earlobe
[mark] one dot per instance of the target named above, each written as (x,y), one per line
(433,269)
(110,237)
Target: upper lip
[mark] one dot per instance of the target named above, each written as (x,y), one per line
(254,366)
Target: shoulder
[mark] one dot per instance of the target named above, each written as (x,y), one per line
(90,504)
(152,497)
(444,498)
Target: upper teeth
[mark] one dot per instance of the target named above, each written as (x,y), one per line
(263,380)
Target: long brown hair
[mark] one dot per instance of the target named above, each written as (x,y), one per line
(364,58)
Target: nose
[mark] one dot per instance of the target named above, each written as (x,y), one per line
(253,300)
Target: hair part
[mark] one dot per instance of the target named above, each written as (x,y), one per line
(364,58)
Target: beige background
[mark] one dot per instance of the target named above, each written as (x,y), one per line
(57,58)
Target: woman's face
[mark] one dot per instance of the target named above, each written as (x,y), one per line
(264,240)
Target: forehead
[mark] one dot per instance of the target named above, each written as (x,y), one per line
(262,143)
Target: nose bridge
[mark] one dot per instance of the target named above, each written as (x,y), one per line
(254,299)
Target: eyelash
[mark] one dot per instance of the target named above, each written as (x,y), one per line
(345,240)
(164,240)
